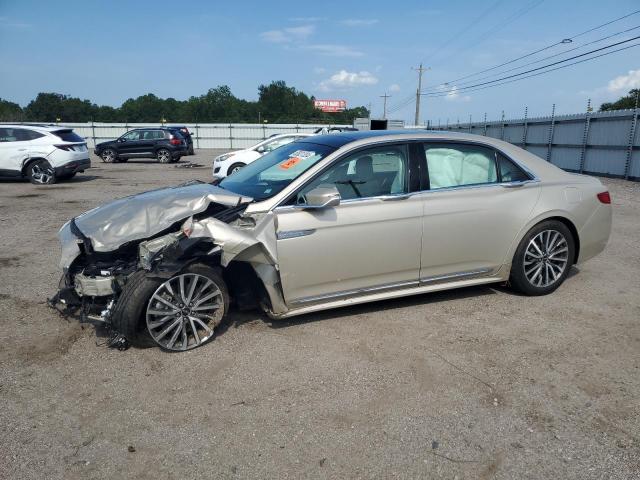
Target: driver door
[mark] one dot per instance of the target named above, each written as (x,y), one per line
(129,143)
(371,241)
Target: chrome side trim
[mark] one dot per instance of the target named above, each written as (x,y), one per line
(349,293)
(452,276)
(294,234)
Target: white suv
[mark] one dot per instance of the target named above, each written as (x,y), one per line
(43,154)
(231,162)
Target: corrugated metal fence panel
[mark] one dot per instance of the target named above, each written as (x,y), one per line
(209,135)
(606,145)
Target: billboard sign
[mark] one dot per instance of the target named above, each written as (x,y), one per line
(330,105)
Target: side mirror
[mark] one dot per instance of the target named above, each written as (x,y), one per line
(322,197)
(122,139)
(260,149)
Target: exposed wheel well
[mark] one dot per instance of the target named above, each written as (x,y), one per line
(245,287)
(29,162)
(574,232)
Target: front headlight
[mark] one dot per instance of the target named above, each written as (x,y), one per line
(222,158)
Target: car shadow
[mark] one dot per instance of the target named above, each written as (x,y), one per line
(239,318)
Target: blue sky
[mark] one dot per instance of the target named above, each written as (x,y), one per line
(113,50)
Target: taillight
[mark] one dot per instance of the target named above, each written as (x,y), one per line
(174,141)
(604,197)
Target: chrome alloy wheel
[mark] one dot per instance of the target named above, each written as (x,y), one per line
(108,156)
(183,312)
(546,258)
(41,173)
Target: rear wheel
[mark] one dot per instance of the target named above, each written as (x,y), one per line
(177,314)
(163,155)
(109,156)
(543,258)
(40,172)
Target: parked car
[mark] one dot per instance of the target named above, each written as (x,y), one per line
(162,143)
(184,131)
(231,162)
(330,221)
(42,153)
(325,130)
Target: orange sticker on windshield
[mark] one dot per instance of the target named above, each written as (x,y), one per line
(286,165)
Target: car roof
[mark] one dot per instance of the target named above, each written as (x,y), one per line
(36,126)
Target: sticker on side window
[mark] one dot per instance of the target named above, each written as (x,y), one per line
(295,158)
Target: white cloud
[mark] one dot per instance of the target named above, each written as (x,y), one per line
(290,34)
(623,83)
(344,80)
(332,50)
(394,87)
(357,22)
(306,19)
(453,94)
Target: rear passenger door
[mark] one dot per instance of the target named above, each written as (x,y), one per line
(14,150)
(471,216)
(148,140)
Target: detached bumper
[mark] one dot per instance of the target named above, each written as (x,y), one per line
(73,167)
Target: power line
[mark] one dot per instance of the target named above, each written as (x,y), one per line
(385,96)
(444,94)
(542,59)
(519,13)
(547,47)
(544,66)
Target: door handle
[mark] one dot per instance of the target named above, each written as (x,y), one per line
(394,198)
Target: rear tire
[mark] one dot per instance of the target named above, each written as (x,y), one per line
(133,312)
(543,259)
(40,172)
(163,156)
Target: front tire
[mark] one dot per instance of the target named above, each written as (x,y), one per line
(235,167)
(543,259)
(41,172)
(177,314)
(163,155)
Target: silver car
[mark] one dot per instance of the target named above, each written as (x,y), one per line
(329,221)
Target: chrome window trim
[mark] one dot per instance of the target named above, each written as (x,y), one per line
(384,198)
(533,177)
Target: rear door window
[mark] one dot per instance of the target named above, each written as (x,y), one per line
(455,165)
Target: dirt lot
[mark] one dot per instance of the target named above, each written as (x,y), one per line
(474,383)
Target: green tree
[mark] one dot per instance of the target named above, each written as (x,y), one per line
(10,112)
(628,101)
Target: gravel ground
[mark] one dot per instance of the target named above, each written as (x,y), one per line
(466,384)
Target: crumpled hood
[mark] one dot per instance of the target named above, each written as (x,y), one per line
(146,214)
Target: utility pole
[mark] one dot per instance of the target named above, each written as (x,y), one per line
(418,92)
(384,110)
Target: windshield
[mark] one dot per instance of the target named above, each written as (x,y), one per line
(268,175)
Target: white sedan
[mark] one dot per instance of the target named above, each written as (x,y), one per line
(231,162)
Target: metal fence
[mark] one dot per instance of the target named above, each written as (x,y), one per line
(209,135)
(600,143)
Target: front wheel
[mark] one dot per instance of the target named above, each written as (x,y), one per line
(41,172)
(235,167)
(163,155)
(177,314)
(543,258)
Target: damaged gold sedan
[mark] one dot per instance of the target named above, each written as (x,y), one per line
(328,221)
